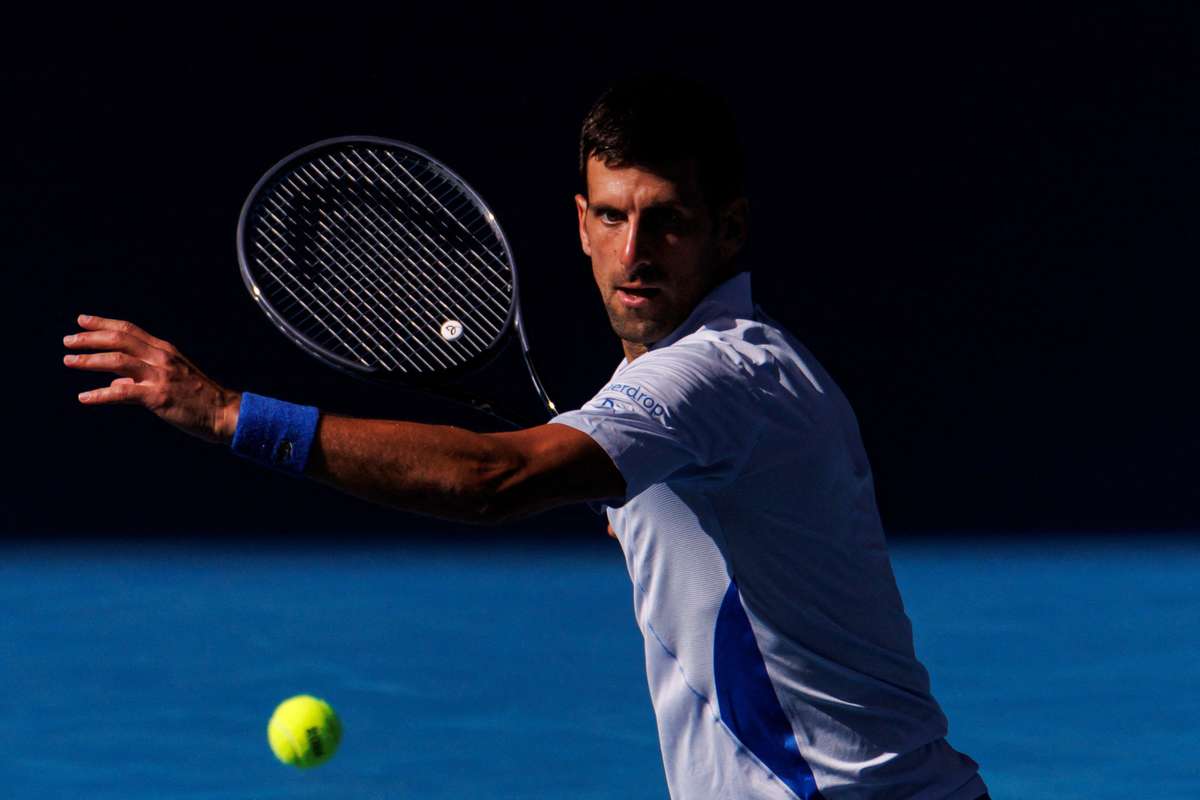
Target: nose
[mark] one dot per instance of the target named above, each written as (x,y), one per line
(635,251)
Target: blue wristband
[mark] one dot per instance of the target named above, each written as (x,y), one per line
(275,433)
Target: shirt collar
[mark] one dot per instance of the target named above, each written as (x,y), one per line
(728,299)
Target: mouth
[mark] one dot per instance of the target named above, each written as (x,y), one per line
(636,296)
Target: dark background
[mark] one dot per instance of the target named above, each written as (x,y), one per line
(983,226)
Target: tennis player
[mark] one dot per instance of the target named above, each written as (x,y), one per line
(779,658)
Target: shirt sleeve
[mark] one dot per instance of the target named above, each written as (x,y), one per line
(683,414)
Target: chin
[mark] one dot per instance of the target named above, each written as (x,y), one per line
(638,331)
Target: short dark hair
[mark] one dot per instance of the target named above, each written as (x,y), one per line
(654,120)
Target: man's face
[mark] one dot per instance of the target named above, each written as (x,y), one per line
(656,249)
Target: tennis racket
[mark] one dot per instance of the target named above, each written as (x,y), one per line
(379,261)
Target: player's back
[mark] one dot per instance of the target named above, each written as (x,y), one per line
(816,566)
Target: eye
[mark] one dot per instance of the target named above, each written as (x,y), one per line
(666,221)
(610,217)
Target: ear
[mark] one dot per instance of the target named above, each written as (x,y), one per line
(734,228)
(581,207)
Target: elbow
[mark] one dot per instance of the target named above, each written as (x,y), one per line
(501,504)
(494,514)
(498,490)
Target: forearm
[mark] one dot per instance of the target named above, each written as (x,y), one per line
(438,470)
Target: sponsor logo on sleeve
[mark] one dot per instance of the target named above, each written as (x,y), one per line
(640,398)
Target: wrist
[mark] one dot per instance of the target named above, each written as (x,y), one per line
(227,418)
(274,433)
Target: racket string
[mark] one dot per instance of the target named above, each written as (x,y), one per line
(402,241)
(358,318)
(452,215)
(315,299)
(430,315)
(372,249)
(451,308)
(385,286)
(333,259)
(397,249)
(361,299)
(411,311)
(489,291)
(385,356)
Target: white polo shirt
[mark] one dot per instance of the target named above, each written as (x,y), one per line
(779,657)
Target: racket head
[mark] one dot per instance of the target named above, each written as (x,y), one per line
(380,261)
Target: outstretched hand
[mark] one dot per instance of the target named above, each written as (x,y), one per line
(155,375)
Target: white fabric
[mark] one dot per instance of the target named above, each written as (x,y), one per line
(743,461)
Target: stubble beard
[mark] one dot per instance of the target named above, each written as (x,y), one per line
(631,328)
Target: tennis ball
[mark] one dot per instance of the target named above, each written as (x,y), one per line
(304,731)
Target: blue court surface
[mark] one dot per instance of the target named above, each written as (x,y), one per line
(1069,667)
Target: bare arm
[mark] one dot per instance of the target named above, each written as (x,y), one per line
(431,469)
(456,474)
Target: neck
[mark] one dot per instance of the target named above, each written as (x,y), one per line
(632,349)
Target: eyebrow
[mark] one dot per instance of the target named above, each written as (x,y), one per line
(600,208)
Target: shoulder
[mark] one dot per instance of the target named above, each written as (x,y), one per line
(749,352)
(696,377)
(696,363)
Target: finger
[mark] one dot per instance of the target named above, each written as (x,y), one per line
(118,393)
(611,532)
(95,323)
(120,363)
(122,380)
(116,340)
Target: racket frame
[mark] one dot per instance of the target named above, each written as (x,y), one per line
(434,381)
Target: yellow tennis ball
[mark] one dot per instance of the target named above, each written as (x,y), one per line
(304,731)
